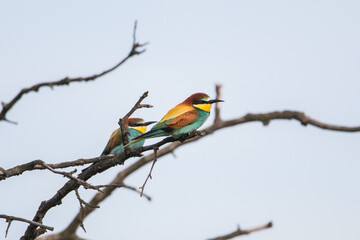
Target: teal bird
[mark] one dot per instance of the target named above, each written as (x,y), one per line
(182,119)
(136,127)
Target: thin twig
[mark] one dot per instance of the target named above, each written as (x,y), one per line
(123,185)
(122,121)
(8,227)
(82,209)
(37,165)
(217,119)
(66,81)
(240,232)
(9,219)
(149,175)
(69,175)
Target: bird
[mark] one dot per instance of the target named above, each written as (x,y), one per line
(136,127)
(182,119)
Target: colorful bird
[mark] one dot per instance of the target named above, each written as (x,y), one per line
(136,127)
(182,119)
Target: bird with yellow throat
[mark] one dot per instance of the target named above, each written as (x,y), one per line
(185,117)
(136,127)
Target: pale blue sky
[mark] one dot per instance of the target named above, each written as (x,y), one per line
(269,55)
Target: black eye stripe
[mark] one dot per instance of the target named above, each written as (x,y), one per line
(136,124)
(200,102)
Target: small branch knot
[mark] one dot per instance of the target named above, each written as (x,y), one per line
(265,122)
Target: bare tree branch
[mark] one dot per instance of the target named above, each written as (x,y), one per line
(240,232)
(123,185)
(218,124)
(104,164)
(37,165)
(9,219)
(265,118)
(66,81)
(305,120)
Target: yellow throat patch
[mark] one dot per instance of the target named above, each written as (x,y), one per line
(141,129)
(204,107)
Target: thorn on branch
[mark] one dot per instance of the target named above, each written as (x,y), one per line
(9,221)
(265,122)
(9,121)
(145,106)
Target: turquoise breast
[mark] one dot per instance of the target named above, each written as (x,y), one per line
(132,134)
(203,116)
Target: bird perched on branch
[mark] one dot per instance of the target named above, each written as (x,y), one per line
(182,119)
(136,127)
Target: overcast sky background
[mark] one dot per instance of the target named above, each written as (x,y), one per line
(269,55)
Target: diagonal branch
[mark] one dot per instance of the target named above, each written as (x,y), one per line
(66,81)
(240,232)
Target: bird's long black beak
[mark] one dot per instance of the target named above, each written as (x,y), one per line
(148,123)
(214,101)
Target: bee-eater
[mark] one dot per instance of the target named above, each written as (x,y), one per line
(136,127)
(182,119)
